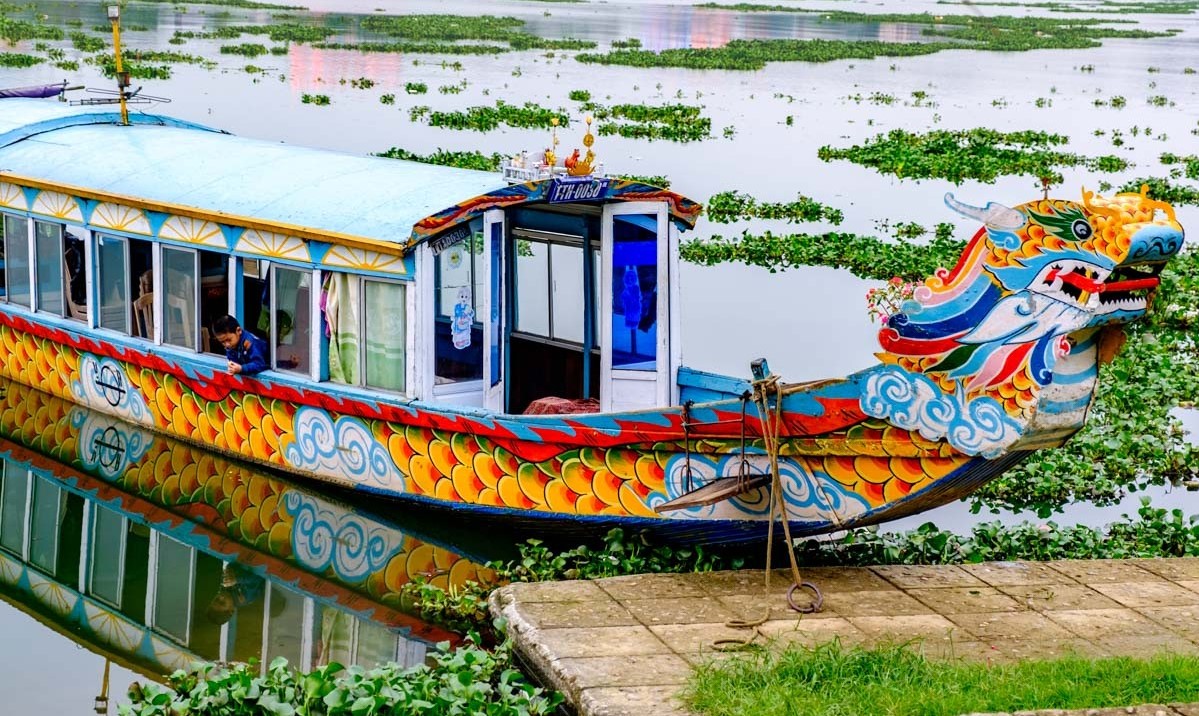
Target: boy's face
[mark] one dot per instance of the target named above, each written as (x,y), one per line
(229,340)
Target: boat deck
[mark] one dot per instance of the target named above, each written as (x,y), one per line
(626,645)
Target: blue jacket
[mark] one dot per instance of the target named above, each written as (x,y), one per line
(251,352)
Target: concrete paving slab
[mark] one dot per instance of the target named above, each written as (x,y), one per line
(661,586)
(1057,597)
(908,576)
(873,603)
(630,701)
(966,600)
(1010,625)
(1098,571)
(1183,621)
(1148,594)
(575,590)
(813,632)
(602,641)
(1013,650)
(1172,568)
(575,614)
(657,670)
(688,610)
(902,628)
(1144,647)
(1013,574)
(1107,623)
(772,606)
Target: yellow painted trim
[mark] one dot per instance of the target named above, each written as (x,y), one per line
(278,227)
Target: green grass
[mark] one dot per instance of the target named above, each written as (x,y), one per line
(832,680)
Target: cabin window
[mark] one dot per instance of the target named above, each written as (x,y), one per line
(551,301)
(291,324)
(214,297)
(13,492)
(286,626)
(367,322)
(49,256)
(107,572)
(16,259)
(386,334)
(458,327)
(179,269)
(174,571)
(116,313)
(634,293)
(46,514)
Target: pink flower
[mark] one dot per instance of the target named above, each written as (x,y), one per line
(896,281)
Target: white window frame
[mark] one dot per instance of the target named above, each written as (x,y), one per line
(160,296)
(152,588)
(128,268)
(36,289)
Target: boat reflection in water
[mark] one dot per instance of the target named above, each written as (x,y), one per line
(156,554)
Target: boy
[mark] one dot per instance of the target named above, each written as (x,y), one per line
(247,353)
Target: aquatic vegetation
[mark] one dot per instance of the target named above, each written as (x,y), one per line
(730,206)
(900,680)
(67,65)
(998,33)
(428,48)
(980,154)
(387,98)
(466,680)
(16,30)
(280,50)
(245,4)
(462,160)
(253,70)
(674,122)
(1160,101)
(629,44)
(651,179)
(17,59)
(246,49)
(137,67)
(362,83)
(1190,163)
(1116,102)
(450,89)
(87,43)
(863,256)
(484,119)
(579,96)
(441,30)
(320,100)
(1185,7)
(416,87)
(285,32)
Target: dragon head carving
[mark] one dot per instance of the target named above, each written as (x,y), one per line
(969,358)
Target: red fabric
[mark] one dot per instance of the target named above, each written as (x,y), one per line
(562,406)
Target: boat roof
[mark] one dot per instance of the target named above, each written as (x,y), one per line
(173,162)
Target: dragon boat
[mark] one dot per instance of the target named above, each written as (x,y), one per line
(509,348)
(125,541)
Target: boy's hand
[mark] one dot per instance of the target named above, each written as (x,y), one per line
(234,368)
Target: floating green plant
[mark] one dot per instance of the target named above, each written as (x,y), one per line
(17,59)
(416,87)
(461,160)
(483,119)
(980,154)
(651,179)
(727,207)
(320,100)
(87,43)
(245,49)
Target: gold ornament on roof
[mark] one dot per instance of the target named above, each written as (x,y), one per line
(550,155)
(582,167)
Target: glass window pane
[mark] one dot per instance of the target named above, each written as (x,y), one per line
(335,637)
(532,287)
(114,284)
(343,316)
(3,233)
(16,253)
(48,244)
(107,555)
(458,327)
(75,275)
(497,300)
(376,645)
(386,335)
(43,526)
(214,297)
(293,324)
(286,609)
(566,268)
(634,292)
(12,509)
(173,574)
(179,306)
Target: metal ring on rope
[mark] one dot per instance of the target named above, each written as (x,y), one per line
(812,607)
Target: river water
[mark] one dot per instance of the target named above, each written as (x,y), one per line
(98,572)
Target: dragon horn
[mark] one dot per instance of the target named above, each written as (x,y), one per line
(993,215)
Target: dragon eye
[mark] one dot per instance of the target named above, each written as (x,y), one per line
(1081,229)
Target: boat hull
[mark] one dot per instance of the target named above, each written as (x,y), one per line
(585,474)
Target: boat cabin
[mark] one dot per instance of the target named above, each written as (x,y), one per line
(502,292)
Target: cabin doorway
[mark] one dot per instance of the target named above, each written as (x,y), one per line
(635,323)
(552,347)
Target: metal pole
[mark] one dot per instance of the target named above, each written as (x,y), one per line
(114,15)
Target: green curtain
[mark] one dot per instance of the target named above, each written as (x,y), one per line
(386,335)
(342,312)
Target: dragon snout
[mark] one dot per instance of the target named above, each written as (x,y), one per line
(1153,242)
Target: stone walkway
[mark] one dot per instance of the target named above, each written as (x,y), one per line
(626,645)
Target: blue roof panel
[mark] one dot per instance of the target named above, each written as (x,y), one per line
(321,190)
